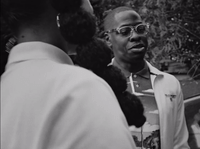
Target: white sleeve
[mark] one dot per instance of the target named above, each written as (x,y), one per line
(92,119)
(181,131)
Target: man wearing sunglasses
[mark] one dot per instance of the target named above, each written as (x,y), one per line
(159,92)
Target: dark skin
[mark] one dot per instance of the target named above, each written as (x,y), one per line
(132,67)
(45,31)
(127,54)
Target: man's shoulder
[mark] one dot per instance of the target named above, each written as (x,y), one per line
(76,75)
(169,76)
(77,71)
(156,71)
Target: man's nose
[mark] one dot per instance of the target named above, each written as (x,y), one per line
(134,37)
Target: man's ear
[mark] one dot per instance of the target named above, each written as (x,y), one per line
(108,40)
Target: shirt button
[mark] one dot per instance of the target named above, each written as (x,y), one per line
(134,76)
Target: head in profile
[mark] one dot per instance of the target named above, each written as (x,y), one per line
(96,56)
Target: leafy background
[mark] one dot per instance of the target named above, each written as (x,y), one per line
(174,37)
(174,44)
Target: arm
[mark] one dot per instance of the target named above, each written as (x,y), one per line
(181,134)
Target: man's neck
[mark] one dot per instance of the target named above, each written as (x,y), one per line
(45,31)
(132,67)
(43,34)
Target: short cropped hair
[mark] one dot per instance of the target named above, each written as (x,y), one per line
(109,20)
(95,55)
(15,12)
(77,27)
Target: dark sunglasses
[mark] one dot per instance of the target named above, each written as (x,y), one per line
(127,31)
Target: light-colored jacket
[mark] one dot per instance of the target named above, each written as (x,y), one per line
(169,98)
(46,103)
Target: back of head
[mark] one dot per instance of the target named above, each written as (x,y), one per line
(132,109)
(115,78)
(35,20)
(16,12)
(129,103)
(108,22)
(77,27)
(95,55)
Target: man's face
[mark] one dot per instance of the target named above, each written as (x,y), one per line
(128,48)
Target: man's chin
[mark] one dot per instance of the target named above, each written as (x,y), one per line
(137,57)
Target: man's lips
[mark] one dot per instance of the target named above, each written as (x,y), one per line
(137,48)
(139,45)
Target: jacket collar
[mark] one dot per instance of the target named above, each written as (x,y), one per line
(37,50)
(145,72)
(154,70)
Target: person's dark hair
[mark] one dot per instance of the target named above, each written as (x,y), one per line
(65,6)
(15,11)
(18,11)
(96,56)
(129,103)
(77,27)
(132,109)
(114,77)
(109,21)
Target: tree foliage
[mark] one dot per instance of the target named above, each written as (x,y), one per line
(174,29)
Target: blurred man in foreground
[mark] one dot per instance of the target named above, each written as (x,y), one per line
(46,102)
